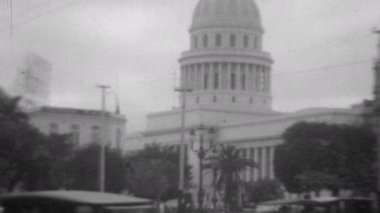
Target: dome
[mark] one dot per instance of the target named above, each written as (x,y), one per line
(226,13)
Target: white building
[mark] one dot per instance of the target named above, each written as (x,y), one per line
(84,125)
(229,73)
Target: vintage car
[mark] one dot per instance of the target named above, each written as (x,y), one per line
(74,202)
(324,205)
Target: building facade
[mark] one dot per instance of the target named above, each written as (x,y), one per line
(229,75)
(84,126)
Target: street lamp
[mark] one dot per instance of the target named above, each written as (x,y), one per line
(201,147)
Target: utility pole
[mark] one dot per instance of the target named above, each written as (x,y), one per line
(183,92)
(375,114)
(103,141)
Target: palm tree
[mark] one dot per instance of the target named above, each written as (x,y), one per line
(227,166)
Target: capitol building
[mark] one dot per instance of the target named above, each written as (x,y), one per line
(227,73)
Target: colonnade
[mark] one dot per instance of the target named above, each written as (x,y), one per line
(226,76)
(264,158)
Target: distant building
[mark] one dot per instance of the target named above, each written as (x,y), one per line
(230,76)
(85,126)
(32,81)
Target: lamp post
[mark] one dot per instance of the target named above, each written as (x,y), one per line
(201,147)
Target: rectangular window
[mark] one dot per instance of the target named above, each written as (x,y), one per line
(205,80)
(224,76)
(206,76)
(233,77)
(216,79)
(75,133)
(242,79)
(54,128)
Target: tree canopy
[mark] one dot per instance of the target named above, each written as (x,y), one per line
(154,173)
(28,158)
(318,156)
(83,169)
(263,190)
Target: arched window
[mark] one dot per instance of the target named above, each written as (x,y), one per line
(251,100)
(205,41)
(233,99)
(246,41)
(197,100)
(218,40)
(195,42)
(95,134)
(215,99)
(232,40)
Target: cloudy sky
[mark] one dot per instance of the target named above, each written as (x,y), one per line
(323,50)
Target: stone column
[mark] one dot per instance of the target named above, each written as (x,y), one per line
(202,66)
(182,76)
(256,159)
(263,163)
(271,171)
(229,76)
(250,78)
(257,77)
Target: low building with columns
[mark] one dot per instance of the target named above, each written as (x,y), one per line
(229,74)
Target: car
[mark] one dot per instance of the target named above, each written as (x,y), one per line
(74,202)
(325,205)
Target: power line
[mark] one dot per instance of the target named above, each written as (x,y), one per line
(324,68)
(336,40)
(72,3)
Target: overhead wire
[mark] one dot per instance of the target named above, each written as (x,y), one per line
(71,3)
(323,68)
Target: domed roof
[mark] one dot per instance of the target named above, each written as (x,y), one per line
(226,13)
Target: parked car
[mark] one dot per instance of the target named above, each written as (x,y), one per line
(74,202)
(324,205)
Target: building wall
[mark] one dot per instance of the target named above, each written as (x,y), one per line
(87,123)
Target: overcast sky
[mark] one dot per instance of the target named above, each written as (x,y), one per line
(323,50)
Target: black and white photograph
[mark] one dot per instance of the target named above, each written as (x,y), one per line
(189,106)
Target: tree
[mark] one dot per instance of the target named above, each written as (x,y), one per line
(20,144)
(228,165)
(154,173)
(50,170)
(84,169)
(264,190)
(28,158)
(317,156)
